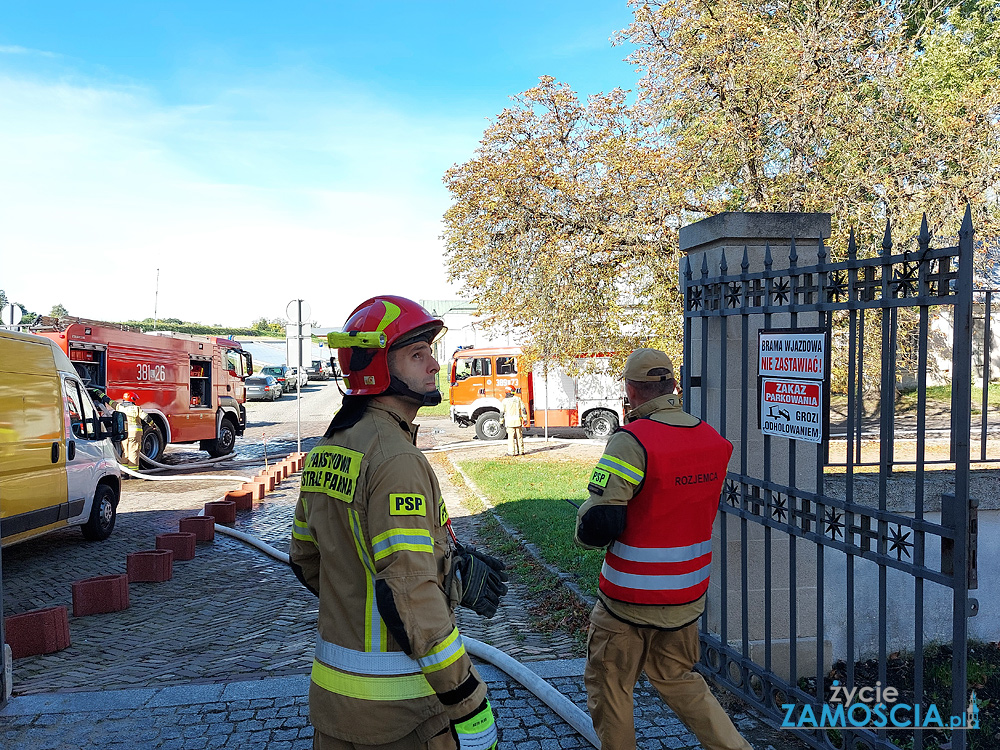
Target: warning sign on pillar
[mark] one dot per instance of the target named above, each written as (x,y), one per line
(792,354)
(792,409)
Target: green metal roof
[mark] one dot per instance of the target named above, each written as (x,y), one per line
(445,306)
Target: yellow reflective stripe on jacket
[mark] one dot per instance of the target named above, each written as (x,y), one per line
(445,653)
(397,540)
(366,687)
(625,470)
(300,530)
(375,636)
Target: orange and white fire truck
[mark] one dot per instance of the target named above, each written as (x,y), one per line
(592,399)
(191,386)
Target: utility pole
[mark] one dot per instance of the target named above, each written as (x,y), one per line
(156,301)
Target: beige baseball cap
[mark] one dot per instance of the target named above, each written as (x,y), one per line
(642,361)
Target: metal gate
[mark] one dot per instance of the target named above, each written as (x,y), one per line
(846,548)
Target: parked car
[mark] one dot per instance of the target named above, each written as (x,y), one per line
(282,373)
(295,375)
(316,371)
(263,388)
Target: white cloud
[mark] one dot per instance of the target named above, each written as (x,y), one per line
(259,195)
(13,49)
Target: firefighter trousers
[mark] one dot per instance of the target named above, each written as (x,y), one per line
(515,441)
(130,450)
(617,653)
(412,741)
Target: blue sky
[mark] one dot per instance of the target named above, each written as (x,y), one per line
(255,152)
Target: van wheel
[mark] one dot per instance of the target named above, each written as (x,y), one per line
(489,426)
(601,424)
(102,515)
(224,444)
(152,446)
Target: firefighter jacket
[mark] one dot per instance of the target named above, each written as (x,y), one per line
(370,521)
(134,417)
(667,469)
(514,413)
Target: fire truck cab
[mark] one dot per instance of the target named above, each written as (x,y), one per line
(554,397)
(191,386)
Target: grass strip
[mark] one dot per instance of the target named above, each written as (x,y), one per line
(532,499)
(551,605)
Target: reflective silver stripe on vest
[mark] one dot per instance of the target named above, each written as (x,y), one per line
(365,662)
(660,554)
(655,582)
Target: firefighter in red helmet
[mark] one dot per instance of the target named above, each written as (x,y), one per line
(371,539)
(135,418)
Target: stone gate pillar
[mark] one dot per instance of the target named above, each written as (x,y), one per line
(716,350)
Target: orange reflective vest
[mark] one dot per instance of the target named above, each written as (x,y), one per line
(664,555)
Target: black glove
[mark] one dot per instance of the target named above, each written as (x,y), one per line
(483,580)
(478,730)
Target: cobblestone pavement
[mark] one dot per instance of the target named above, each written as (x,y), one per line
(273,714)
(219,655)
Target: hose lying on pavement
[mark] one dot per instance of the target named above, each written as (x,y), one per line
(551,697)
(185,478)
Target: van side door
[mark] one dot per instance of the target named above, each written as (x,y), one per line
(32,445)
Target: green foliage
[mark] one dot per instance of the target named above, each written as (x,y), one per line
(533,502)
(193,328)
(265,327)
(58,311)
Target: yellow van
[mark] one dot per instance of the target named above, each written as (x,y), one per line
(58,466)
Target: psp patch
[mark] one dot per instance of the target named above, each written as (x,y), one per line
(407,505)
(600,477)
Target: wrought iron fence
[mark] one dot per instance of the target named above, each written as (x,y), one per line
(866,540)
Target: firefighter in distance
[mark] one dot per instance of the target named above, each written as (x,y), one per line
(515,417)
(135,418)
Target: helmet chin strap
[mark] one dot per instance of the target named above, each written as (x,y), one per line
(430,398)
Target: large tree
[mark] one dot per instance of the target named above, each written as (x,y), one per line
(563,225)
(564,222)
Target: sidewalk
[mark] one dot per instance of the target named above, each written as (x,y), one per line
(273,713)
(219,656)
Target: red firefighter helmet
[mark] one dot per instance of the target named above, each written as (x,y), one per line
(129,396)
(509,390)
(374,328)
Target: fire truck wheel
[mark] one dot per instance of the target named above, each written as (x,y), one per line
(224,444)
(152,445)
(601,424)
(102,515)
(489,426)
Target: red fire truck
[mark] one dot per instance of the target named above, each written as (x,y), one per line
(191,386)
